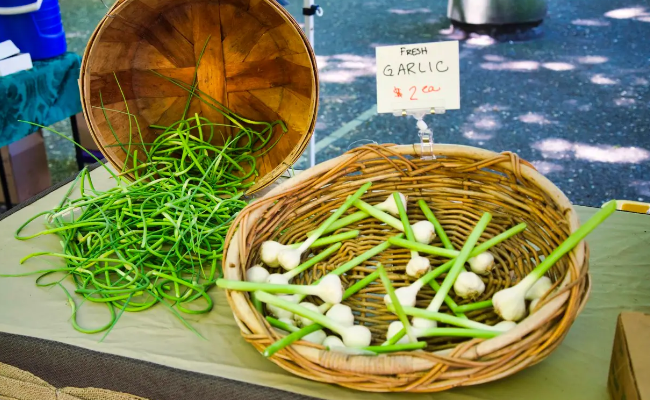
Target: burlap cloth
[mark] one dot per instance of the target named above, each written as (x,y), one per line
(16,384)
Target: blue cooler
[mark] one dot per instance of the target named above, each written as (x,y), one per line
(34,26)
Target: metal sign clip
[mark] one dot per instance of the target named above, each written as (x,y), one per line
(425,133)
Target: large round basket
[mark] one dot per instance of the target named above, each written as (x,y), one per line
(459,186)
(257,62)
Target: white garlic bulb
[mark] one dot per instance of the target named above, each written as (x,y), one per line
(482,264)
(468,285)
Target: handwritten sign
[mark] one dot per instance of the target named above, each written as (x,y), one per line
(417,76)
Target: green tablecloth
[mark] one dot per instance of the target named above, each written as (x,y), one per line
(576,370)
(46,94)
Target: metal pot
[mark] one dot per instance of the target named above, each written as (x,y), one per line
(496,12)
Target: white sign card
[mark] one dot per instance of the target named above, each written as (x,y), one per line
(418,76)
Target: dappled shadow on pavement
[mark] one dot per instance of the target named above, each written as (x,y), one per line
(572,96)
(574,99)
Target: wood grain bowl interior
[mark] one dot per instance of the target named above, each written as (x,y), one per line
(257,62)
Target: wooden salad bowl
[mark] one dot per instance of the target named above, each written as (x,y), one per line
(257,62)
(459,186)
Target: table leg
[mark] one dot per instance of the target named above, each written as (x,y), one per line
(75,136)
(5,184)
(312,150)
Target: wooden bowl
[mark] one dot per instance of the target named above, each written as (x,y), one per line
(258,63)
(459,186)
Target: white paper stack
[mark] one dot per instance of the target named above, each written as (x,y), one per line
(8,49)
(11,61)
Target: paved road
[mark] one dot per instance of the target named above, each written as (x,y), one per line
(574,99)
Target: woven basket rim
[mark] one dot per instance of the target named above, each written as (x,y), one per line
(246,316)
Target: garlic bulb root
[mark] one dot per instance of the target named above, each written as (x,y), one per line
(417,265)
(424,232)
(482,264)
(468,285)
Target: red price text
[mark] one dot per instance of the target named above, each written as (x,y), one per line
(414,91)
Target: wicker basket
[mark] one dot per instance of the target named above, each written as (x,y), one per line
(258,63)
(461,184)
